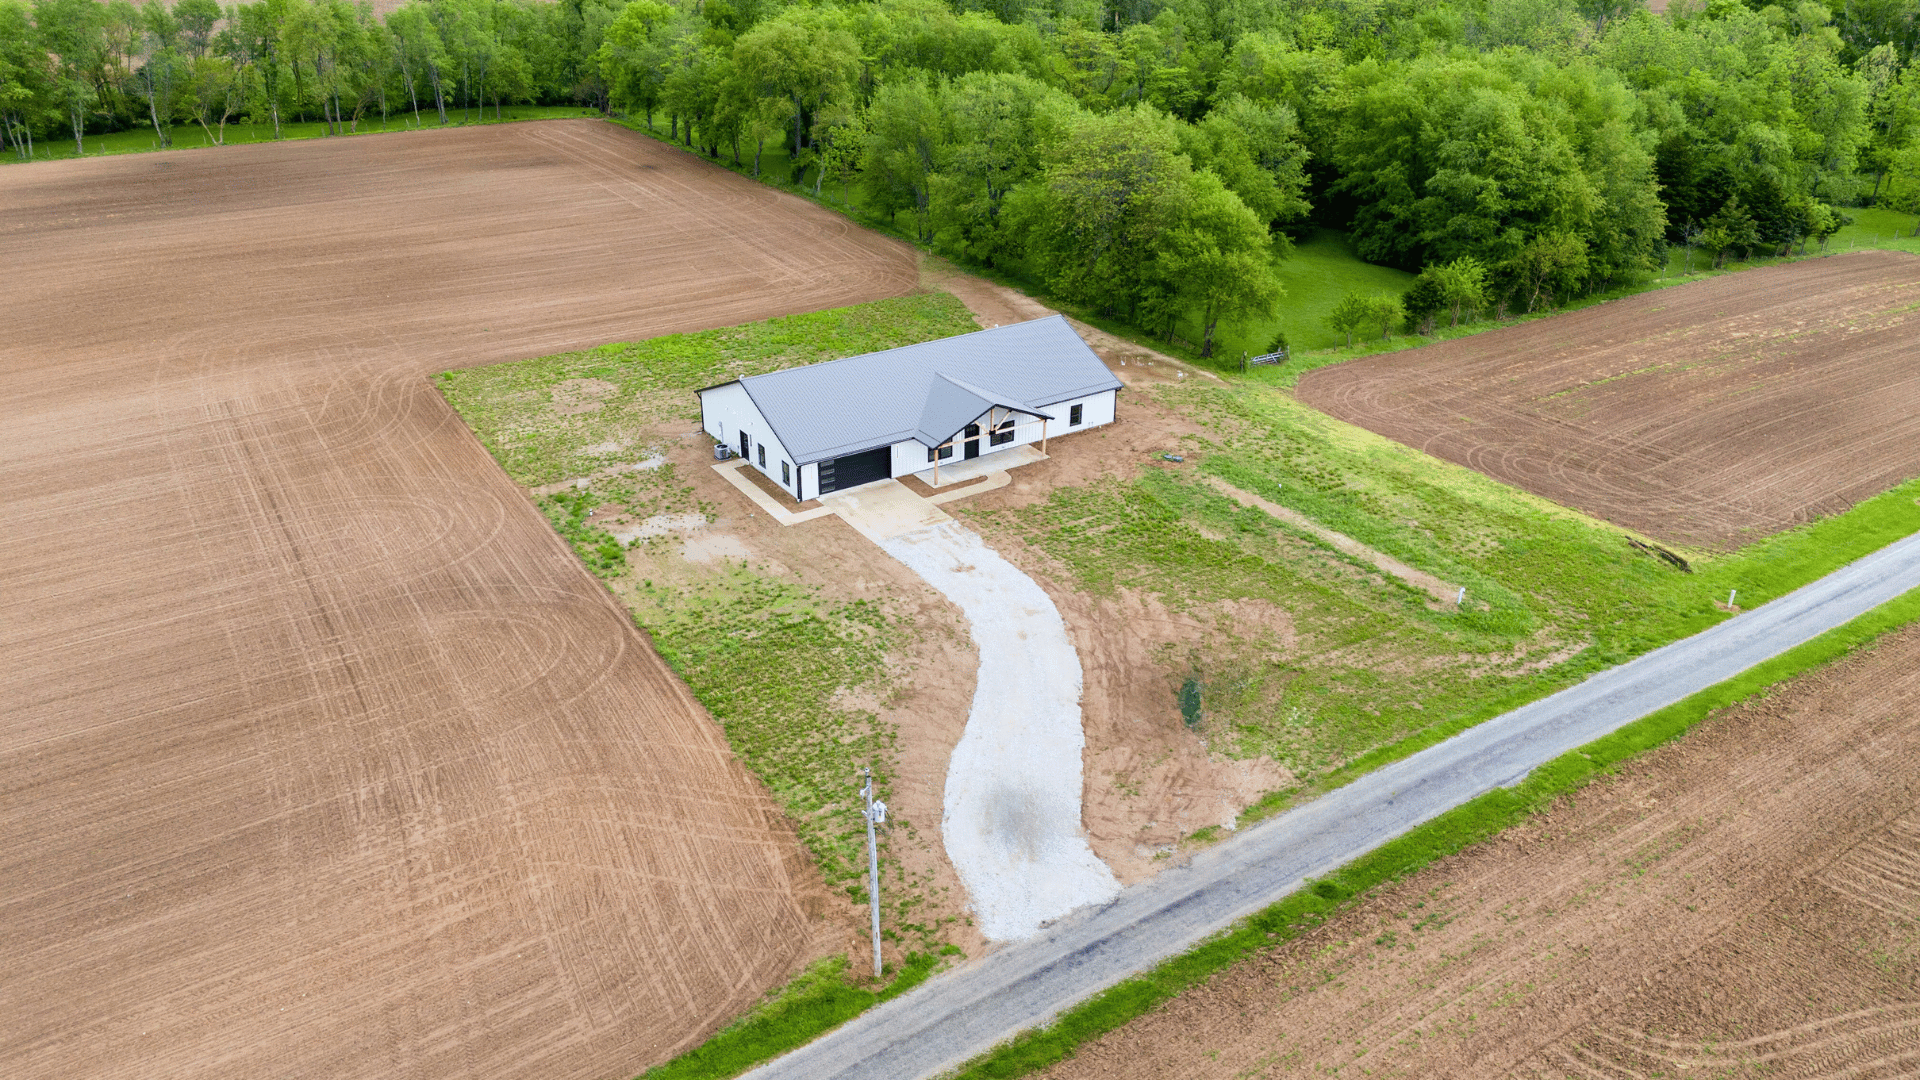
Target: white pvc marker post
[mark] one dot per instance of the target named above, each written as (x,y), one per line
(1462,598)
(1731,593)
(876,813)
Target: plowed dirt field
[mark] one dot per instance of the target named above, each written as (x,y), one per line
(320,755)
(1744,902)
(1707,414)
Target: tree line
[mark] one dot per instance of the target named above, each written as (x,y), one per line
(1147,158)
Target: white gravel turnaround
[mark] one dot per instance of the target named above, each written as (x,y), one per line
(1012,826)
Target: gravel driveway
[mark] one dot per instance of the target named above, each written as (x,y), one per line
(1012,826)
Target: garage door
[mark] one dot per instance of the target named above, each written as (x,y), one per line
(856,469)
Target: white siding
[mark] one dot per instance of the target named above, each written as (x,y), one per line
(910,457)
(1096,409)
(726,411)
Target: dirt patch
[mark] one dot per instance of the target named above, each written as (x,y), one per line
(1442,592)
(1743,902)
(1708,414)
(575,396)
(324,756)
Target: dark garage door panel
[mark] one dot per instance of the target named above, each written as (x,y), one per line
(856,469)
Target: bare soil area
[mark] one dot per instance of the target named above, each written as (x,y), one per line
(1742,902)
(322,754)
(1708,414)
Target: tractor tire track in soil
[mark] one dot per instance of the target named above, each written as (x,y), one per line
(1708,414)
(1739,903)
(321,755)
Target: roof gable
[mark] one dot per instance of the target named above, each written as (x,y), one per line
(921,391)
(953,403)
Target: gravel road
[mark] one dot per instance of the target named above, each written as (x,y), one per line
(957,1016)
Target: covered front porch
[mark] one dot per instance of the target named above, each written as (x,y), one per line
(945,473)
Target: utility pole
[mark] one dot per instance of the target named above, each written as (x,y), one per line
(876,813)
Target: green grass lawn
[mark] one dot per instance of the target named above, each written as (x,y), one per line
(191,136)
(1321,269)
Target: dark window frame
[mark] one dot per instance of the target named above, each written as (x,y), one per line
(1075,415)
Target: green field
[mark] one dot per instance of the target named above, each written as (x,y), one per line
(192,137)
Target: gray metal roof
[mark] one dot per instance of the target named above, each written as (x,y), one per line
(926,392)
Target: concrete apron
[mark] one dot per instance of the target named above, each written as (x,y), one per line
(1012,825)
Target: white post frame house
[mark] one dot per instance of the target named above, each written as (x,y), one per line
(835,425)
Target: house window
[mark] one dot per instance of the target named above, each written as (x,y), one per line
(945,453)
(1003,434)
(786,475)
(1073,415)
(763,455)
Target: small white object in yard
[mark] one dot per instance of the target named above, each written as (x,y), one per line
(1172,457)
(1730,595)
(1181,374)
(1462,598)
